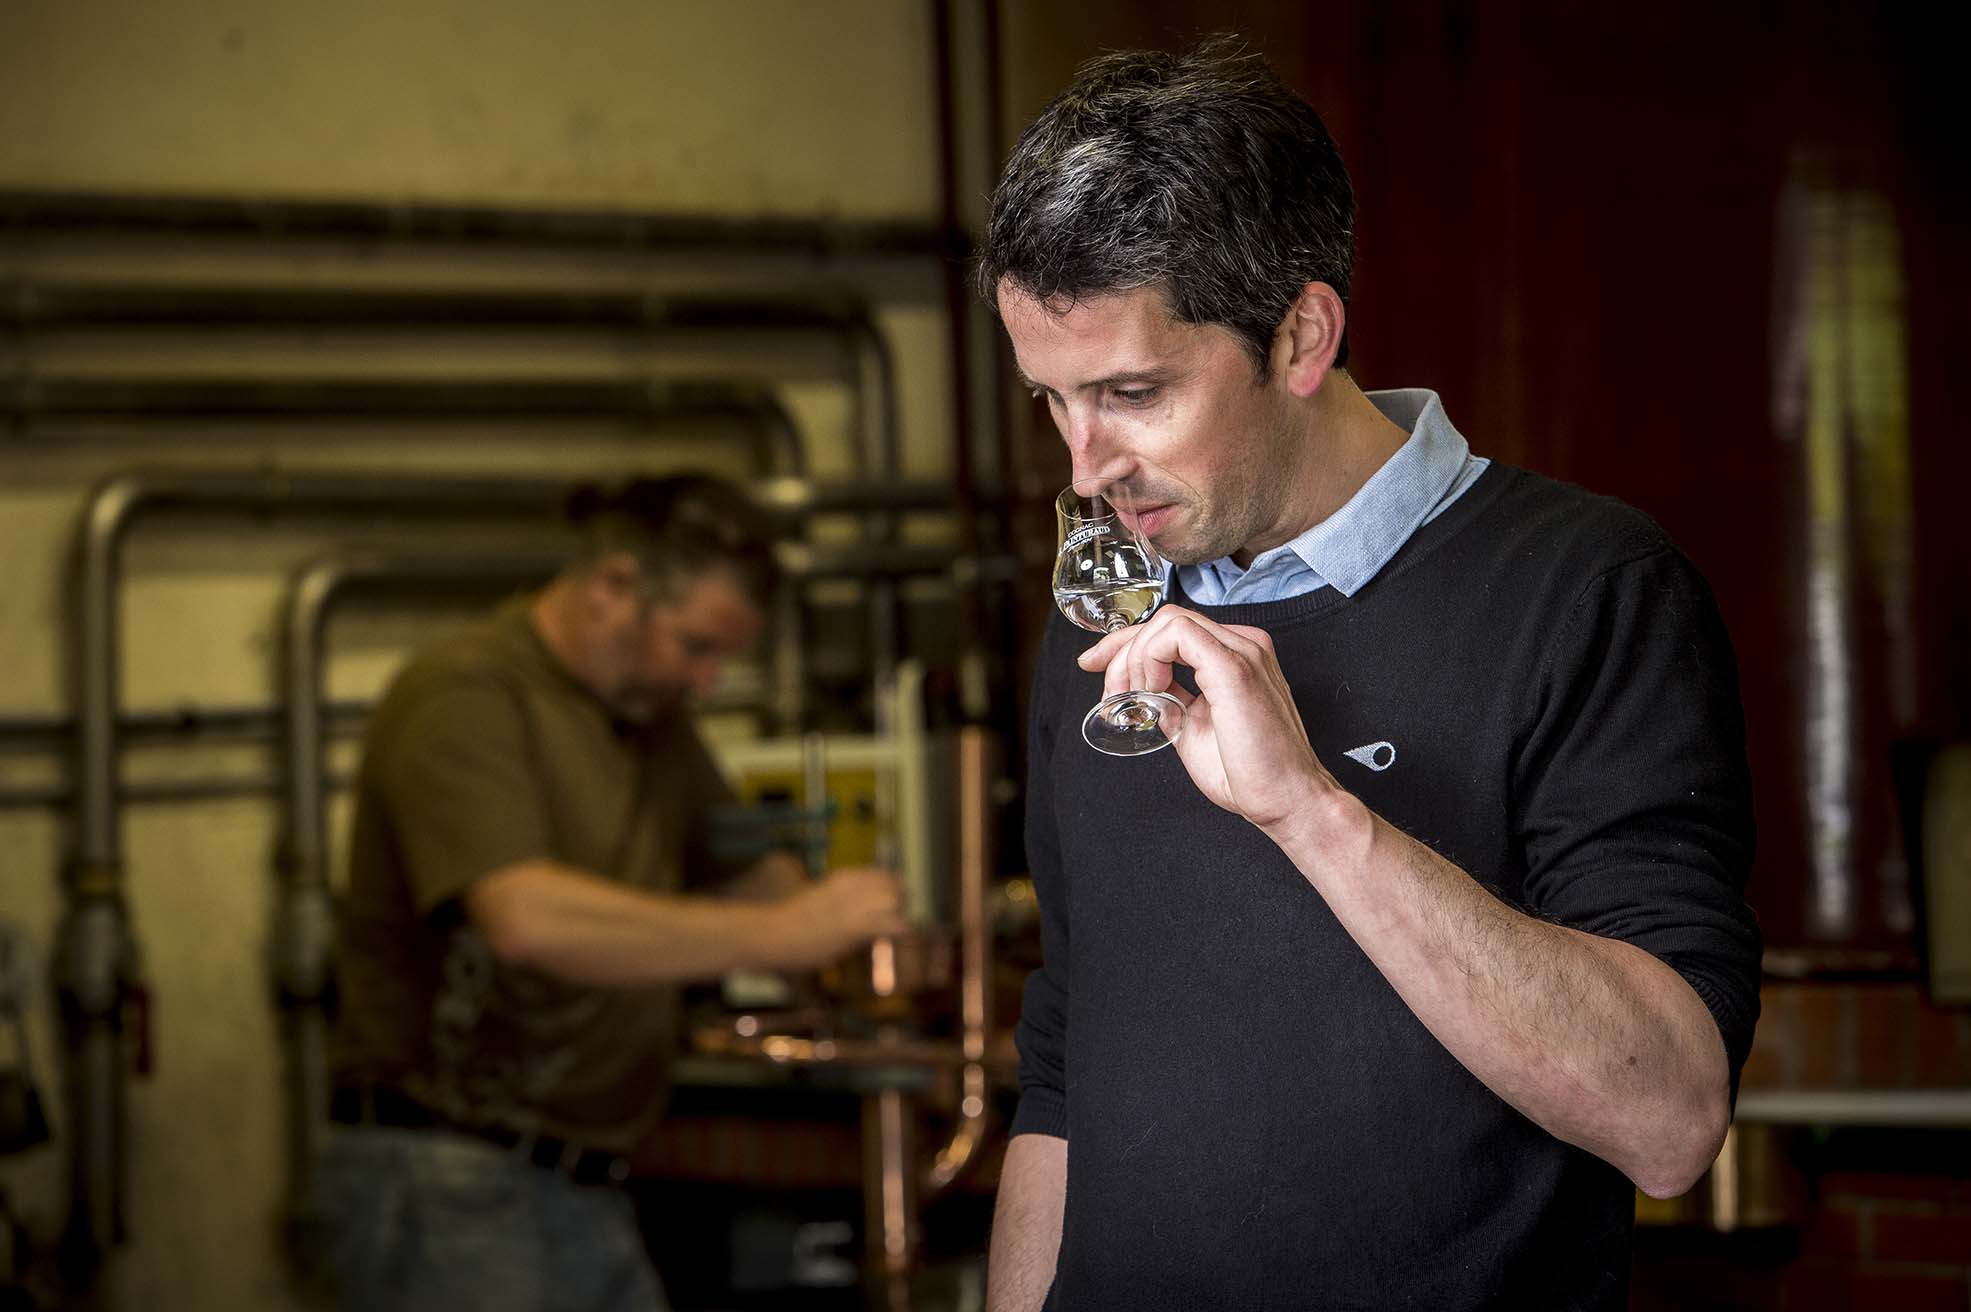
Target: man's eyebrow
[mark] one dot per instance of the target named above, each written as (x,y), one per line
(1136,377)
(1125,378)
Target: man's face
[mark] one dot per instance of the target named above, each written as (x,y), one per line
(665,646)
(1127,383)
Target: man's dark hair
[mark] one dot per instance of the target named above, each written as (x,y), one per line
(679,527)
(1197,173)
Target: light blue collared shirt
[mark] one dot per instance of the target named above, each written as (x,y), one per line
(1345,550)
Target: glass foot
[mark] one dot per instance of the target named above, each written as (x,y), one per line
(1133,723)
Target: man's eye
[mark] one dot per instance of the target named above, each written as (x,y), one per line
(1135,395)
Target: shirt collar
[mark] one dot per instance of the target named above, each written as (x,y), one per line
(1351,546)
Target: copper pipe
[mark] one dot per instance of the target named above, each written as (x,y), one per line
(891,1051)
(883,967)
(883,981)
(891,1186)
(889,1145)
(974,867)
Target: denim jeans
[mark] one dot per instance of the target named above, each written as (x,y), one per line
(409,1220)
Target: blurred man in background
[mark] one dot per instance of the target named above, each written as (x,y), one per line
(531,880)
(1424,947)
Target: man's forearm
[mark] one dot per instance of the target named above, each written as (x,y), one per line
(775,875)
(588,930)
(1026,1223)
(1594,1040)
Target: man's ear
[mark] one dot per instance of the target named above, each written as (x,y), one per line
(613,579)
(1309,335)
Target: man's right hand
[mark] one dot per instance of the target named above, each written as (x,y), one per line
(838,913)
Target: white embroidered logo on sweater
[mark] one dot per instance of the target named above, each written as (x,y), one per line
(1377,756)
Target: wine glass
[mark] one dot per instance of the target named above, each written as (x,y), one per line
(1107,576)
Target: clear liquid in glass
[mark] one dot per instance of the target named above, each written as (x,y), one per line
(1107,576)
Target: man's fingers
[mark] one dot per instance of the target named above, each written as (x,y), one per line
(1177,692)
(1104,652)
(1099,656)
(1143,663)
(1139,659)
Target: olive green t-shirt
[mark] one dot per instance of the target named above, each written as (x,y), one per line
(485,752)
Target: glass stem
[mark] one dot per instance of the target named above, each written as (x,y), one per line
(1115,624)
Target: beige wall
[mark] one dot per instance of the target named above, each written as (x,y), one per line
(761,106)
(783,107)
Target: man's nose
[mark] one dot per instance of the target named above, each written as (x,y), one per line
(1091,446)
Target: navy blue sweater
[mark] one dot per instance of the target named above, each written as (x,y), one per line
(1255,1119)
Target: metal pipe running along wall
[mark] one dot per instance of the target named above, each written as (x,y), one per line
(66,305)
(124,308)
(26,212)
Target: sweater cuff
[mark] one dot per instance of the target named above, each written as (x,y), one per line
(1041,1112)
(1725,1012)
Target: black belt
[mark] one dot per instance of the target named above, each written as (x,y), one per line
(394,1109)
